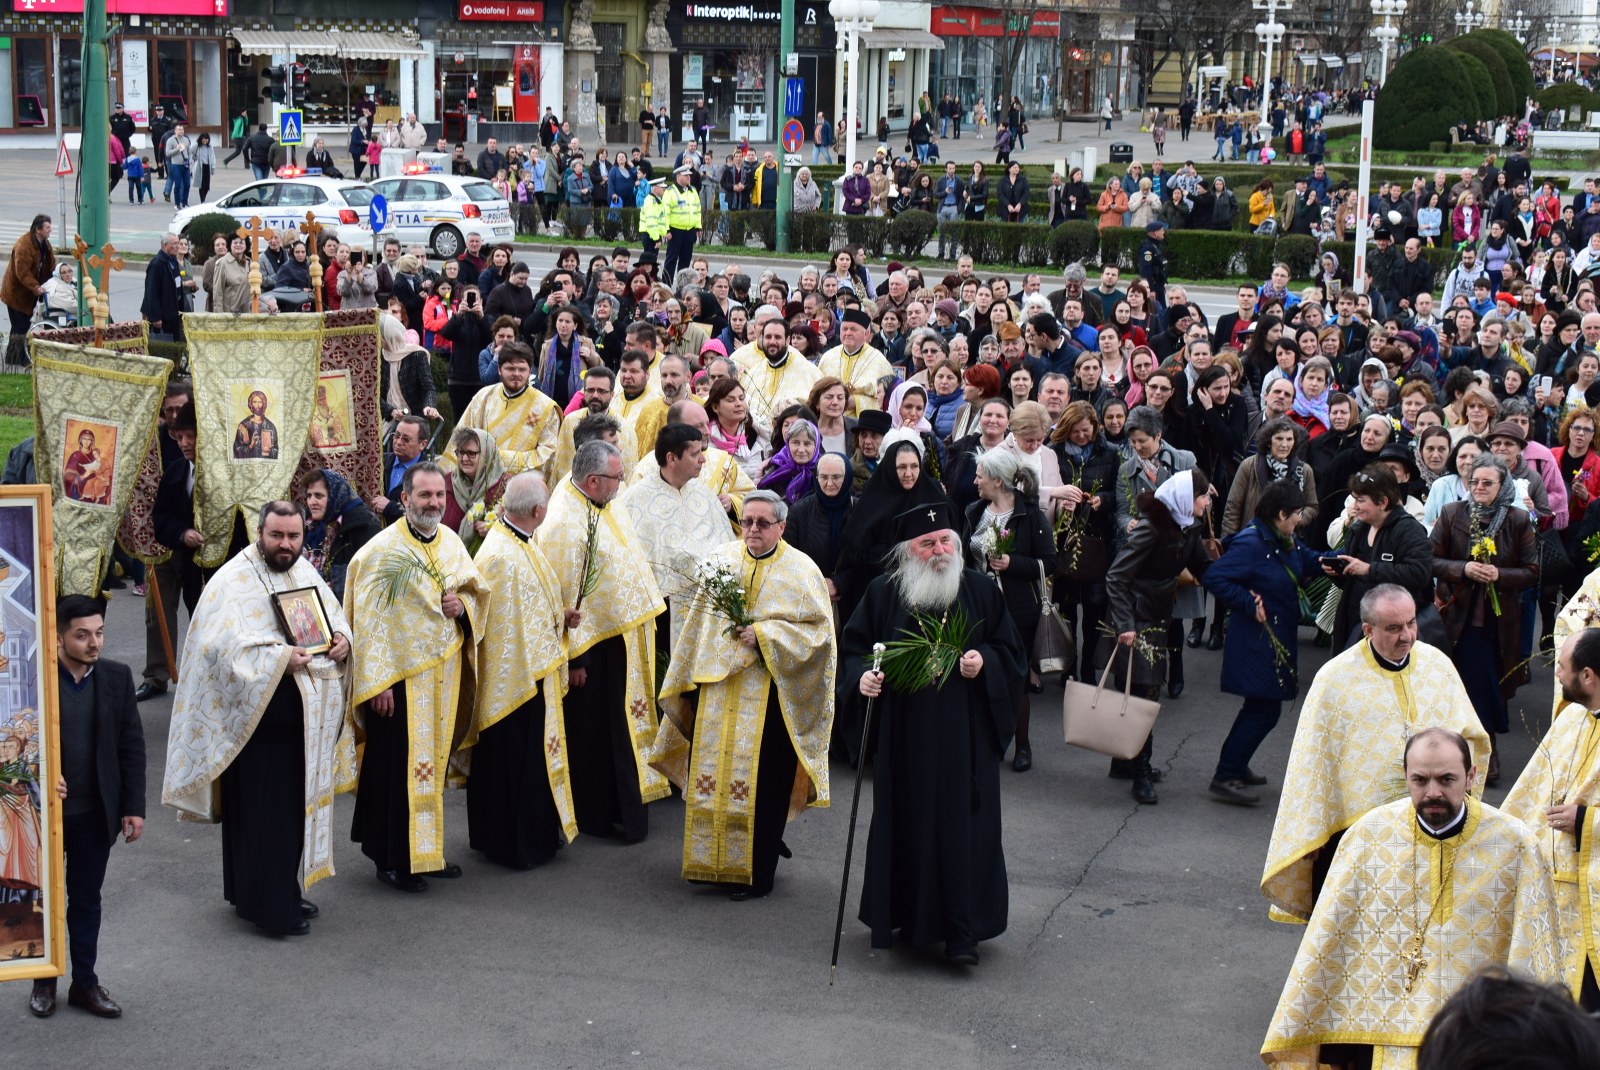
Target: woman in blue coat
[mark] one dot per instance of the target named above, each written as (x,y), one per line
(1259,577)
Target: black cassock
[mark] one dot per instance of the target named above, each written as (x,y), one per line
(511,811)
(263,815)
(935,867)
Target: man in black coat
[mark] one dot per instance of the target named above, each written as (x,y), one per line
(163,282)
(173,518)
(166,576)
(101,787)
(160,128)
(408,448)
(122,127)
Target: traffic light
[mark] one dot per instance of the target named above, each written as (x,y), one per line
(299,73)
(277,79)
(71,81)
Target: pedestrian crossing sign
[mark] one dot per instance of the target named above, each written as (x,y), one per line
(291,127)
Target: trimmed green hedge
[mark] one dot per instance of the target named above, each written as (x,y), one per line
(1422,99)
(1516,61)
(1505,100)
(203,230)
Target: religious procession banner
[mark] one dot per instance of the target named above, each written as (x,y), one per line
(137,532)
(95,418)
(346,425)
(255,380)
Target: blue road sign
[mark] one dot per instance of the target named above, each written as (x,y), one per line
(794,96)
(291,127)
(378,213)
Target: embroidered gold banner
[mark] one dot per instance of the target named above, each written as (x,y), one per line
(346,426)
(95,416)
(255,380)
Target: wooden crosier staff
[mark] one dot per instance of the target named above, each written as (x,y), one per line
(855,805)
(105,261)
(253,232)
(313,232)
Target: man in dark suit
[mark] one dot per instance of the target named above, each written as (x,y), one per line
(179,393)
(410,436)
(101,788)
(163,281)
(173,518)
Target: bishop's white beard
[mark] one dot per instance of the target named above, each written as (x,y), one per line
(927,585)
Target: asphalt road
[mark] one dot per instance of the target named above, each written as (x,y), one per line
(1137,938)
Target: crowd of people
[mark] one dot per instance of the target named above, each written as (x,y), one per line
(925,453)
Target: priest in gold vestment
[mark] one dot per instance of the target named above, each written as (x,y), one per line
(755,699)
(598,386)
(519,795)
(1424,890)
(525,424)
(1557,796)
(1362,706)
(611,700)
(636,403)
(856,362)
(781,378)
(415,600)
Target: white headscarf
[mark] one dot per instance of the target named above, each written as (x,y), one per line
(1177,494)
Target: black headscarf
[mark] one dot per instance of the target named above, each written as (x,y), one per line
(836,507)
(871,524)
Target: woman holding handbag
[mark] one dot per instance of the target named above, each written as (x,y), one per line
(1009,538)
(1261,578)
(1140,588)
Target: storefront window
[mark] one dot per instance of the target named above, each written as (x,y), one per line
(336,87)
(33,81)
(207,84)
(897,90)
(172,78)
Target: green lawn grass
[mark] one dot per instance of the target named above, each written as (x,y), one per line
(13,429)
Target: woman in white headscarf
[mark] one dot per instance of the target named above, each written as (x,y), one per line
(1140,588)
(407,385)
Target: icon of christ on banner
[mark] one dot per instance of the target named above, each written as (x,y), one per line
(257,437)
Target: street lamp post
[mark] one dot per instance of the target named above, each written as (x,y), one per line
(1517,24)
(1388,33)
(1271,32)
(854,17)
(1469,18)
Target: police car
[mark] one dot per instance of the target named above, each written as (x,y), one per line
(438,211)
(283,200)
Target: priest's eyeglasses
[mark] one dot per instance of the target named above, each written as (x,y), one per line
(753,524)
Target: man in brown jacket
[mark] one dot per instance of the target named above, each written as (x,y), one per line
(32,263)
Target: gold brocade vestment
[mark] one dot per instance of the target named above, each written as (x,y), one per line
(860,372)
(526,428)
(522,652)
(412,641)
(1345,759)
(1362,976)
(788,600)
(626,604)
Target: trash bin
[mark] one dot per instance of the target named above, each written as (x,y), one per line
(1121,152)
(392,162)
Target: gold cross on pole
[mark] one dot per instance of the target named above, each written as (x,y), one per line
(253,232)
(313,232)
(104,262)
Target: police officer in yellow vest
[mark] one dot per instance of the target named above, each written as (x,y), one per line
(683,222)
(653,215)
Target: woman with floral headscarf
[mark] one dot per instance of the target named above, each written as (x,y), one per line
(338,523)
(475,486)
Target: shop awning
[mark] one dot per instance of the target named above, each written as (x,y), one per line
(892,37)
(1332,61)
(361,45)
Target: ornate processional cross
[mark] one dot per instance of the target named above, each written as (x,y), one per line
(253,232)
(313,232)
(104,262)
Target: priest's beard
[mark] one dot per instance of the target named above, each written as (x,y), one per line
(278,560)
(425,521)
(927,585)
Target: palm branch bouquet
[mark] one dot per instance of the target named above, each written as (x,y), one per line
(589,578)
(400,568)
(1072,523)
(927,656)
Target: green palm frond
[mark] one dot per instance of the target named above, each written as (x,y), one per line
(398,570)
(928,655)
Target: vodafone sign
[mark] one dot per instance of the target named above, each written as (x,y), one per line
(501,11)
